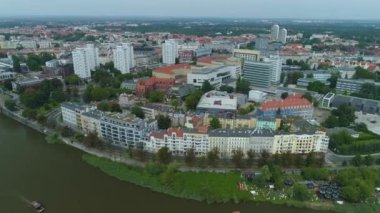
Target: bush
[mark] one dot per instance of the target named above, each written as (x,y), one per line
(301,193)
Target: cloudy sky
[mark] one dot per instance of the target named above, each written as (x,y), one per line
(306,9)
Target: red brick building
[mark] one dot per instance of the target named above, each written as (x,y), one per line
(154,84)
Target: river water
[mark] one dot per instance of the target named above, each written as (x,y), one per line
(31,169)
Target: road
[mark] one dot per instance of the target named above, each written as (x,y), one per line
(334,159)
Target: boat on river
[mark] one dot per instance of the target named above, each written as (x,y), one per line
(37,206)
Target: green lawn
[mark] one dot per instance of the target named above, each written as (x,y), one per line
(203,186)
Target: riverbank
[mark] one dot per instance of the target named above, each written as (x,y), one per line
(201,186)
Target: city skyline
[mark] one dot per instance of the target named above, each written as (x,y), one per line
(292,9)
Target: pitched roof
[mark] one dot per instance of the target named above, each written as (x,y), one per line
(291,101)
(178,131)
(169,69)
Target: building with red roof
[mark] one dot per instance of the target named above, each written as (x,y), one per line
(293,105)
(171,71)
(153,84)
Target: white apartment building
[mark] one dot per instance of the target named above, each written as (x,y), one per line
(91,122)
(169,51)
(275,32)
(301,143)
(215,76)
(228,140)
(85,59)
(72,112)
(283,35)
(123,57)
(276,62)
(125,130)
(178,141)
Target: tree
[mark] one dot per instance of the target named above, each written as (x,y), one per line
(243,86)
(92,140)
(10,104)
(8,85)
(58,96)
(265,176)
(169,175)
(237,158)
(72,79)
(368,160)
(215,123)
(67,132)
(250,157)
(164,155)
(156,97)
(357,160)
(192,100)
(226,88)
(286,159)
(29,113)
(138,112)
(301,193)
(284,95)
(264,158)
(206,86)
(164,122)
(175,103)
(103,106)
(190,157)
(319,87)
(213,157)
(310,161)
(308,96)
(16,64)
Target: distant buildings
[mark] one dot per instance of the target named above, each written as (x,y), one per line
(262,42)
(215,76)
(283,35)
(218,102)
(244,121)
(293,105)
(246,55)
(275,32)
(347,86)
(85,59)
(171,71)
(169,51)
(123,57)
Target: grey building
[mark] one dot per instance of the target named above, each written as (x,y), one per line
(125,129)
(262,42)
(346,86)
(259,74)
(360,104)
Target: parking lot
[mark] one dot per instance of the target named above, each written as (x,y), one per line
(372,121)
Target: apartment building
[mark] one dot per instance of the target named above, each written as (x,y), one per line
(179,141)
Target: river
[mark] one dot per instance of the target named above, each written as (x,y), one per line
(55,174)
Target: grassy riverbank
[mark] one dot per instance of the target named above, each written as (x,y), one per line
(202,186)
(207,186)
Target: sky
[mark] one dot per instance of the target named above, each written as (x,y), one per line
(298,9)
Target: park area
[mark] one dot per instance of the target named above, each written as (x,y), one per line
(310,188)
